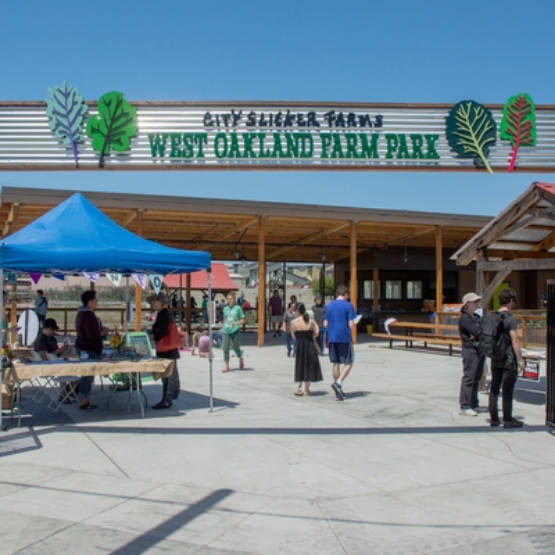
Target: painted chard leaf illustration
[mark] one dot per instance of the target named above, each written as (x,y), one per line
(66,112)
(471,130)
(518,124)
(114,126)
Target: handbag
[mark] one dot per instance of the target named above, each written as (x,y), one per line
(172,340)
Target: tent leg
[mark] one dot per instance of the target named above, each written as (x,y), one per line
(210,369)
(4,331)
(126,322)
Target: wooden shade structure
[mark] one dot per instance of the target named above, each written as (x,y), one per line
(521,237)
(258,231)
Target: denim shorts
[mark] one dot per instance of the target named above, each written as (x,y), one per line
(341,353)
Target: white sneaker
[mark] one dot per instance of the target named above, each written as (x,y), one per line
(468,412)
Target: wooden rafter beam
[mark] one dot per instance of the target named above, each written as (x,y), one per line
(14,209)
(237,230)
(545,244)
(510,254)
(308,239)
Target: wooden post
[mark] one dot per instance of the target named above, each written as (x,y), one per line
(188,301)
(439,276)
(13,316)
(261,282)
(138,290)
(353,286)
(375,294)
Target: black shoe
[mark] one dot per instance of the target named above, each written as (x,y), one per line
(514,423)
(288,352)
(338,391)
(494,423)
(162,405)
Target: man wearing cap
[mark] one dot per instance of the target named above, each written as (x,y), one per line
(473,363)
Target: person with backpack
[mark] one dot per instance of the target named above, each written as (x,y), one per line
(499,341)
(473,362)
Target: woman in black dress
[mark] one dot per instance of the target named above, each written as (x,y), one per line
(307,365)
(161,329)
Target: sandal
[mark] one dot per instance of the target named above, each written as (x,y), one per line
(299,393)
(225,370)
(88,406)
(162,405)
(307,394)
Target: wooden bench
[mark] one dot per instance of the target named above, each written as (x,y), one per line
(451,341)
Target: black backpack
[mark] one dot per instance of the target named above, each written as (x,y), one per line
(495,341)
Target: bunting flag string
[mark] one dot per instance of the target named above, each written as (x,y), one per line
(156,280)
(115,278)
(35,277)
(140,279)
(92,276)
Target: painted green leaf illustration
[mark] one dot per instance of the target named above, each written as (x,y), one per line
(518,124)
(66,111)
(114,126)
(471,131)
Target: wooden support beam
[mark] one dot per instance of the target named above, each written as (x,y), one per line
(14,209)
(376,294)
(518,265)
(261,282)
(546,243)
(493,285)
(131,218)
(188,303)
(308,239)
(235,231)
(138,290)
(439,275)
(480,278)
(353,286)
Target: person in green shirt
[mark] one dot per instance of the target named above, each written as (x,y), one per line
(233,319)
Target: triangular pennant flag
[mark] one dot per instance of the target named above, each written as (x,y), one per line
(35,277)
(61,277)
(91,276)
(114,278)
(141,279)
(156,280)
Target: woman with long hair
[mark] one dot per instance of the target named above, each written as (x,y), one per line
(304,331)
(162,330)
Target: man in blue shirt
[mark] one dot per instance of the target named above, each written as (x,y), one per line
(339,320)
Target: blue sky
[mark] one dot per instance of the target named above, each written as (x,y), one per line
(292,50)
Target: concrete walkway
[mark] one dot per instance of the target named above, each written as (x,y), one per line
(392,469)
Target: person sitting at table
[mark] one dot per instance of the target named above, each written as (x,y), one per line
(46,344)
(90,333)
(46,348)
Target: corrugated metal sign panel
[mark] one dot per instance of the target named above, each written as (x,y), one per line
(193,136)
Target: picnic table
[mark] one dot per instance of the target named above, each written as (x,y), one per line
(424,333)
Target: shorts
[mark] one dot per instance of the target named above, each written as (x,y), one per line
(341,353)
(276,319)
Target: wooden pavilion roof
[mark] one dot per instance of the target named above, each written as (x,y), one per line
(229,228)
(525,229)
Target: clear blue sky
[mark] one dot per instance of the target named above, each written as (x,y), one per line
(435,51)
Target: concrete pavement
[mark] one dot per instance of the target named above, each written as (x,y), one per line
(392,469)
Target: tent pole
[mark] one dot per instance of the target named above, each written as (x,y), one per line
(209,272)
(4,336)
(126,319)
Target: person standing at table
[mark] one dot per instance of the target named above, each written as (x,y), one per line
(41,306)
(233,319)
(168,340)
(90,333)
(307,365)
(289,315)
(339,321)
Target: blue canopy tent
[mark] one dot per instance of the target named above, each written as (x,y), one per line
(76,237)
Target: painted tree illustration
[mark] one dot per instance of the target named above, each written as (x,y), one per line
(66,112)
(518,124)
(471,131)
(114,126)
